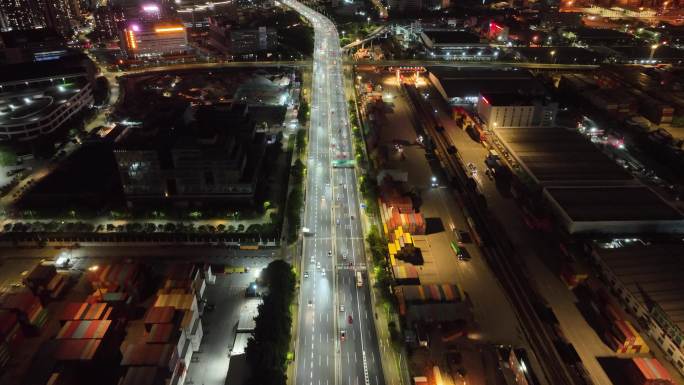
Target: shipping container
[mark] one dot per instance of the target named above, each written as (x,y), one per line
(92,329)
(77,350)
(647,371)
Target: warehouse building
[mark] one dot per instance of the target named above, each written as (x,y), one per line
(463,86)
(587,191)
(510,109)
(647,280)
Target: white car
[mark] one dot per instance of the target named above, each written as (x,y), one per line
(306,274)
(318,265)
(341,308)
(322,273)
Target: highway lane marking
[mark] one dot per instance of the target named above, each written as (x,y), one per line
(348,361)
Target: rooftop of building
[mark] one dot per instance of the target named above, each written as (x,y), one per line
(598,33)
(32,104)
(556,156)
(218,132)
(30,38)
(451,37)
(652,273)
(613,204)
(460,82)
(663,52)
(10,73)
(499,99)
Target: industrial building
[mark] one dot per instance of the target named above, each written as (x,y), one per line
(507,110)
(141,40)
(463,86)
(234,40)
(216,156)
(647,280)
(587,191)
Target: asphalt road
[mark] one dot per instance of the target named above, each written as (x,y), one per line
(337,342)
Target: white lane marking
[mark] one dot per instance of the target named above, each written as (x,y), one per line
(355,358)
(347,358)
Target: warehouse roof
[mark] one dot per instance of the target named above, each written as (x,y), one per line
(446,37)
(613,210)
(555,156)
(652,274)
(633,203)
(464,82)
(510,99)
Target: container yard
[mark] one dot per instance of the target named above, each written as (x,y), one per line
(114,330)
(609,321)
(641,277)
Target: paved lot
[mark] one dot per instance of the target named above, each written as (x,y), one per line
(493,315)
(531,250)
(210,363)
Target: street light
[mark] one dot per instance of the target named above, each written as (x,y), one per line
(553,55)
(653,48)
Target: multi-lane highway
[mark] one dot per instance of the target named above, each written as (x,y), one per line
(337,342)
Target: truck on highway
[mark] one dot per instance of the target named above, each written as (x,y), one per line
(496,167)
(359,279)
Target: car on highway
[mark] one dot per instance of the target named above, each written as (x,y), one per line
(343,335)
(341,308)
(350,319)
(306,274)
(322,273)
(318,265)
(310,304)
(329,253)
(463,254)
(463,236)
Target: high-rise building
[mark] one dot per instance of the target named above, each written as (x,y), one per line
(108,20)
(20,15)
(57,15)
(33,14)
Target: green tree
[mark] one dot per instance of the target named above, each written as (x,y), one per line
(7,156)
(267,349)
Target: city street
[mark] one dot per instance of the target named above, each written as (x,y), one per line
(337,342)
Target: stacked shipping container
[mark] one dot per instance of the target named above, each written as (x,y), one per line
(647,371)
(617,331)
(27,307)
